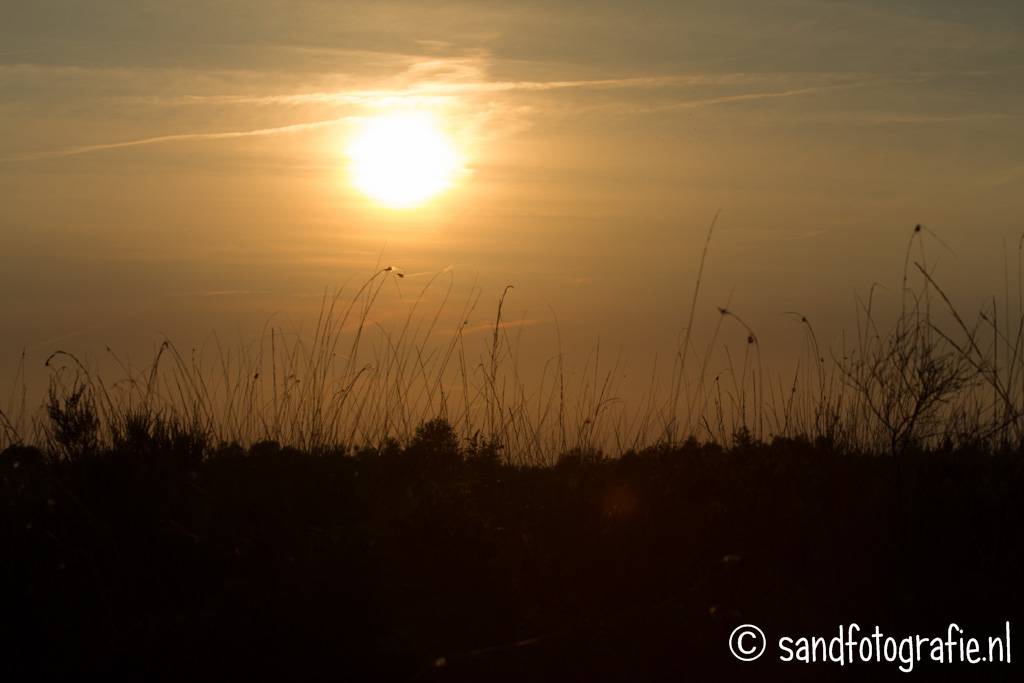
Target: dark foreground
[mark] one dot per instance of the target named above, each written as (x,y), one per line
(163,559)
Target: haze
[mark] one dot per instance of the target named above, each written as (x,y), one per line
(178,168)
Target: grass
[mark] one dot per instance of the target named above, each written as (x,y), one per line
(394,503)
(931,376)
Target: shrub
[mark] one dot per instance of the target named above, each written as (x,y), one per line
(73,428)
(435,446)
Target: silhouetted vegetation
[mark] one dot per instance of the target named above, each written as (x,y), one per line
(161,556)
(922,376)
(419,515)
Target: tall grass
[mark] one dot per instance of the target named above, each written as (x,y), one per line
(926,376)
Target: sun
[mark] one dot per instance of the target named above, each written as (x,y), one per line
(402,160)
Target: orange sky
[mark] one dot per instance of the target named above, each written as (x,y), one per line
(179,168)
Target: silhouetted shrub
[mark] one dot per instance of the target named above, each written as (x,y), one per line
(264,449)
(579,457)
(744,440)
(228,451)
(73,424)
(142,433)
(482,452)
(435,447)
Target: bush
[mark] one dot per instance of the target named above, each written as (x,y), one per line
(435,447)
(73,424)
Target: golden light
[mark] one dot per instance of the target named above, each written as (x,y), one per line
(402,160)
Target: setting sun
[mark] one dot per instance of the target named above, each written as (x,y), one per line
(547,340)
(402,160)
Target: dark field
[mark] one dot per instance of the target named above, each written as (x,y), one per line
(437,561)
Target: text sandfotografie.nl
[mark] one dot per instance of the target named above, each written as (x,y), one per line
(854,644)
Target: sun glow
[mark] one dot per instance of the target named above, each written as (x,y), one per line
(402,160)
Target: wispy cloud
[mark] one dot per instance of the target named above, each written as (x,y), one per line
(177,137)
(468,79)
(916,119)
(466,82)
(444,89)
(503,325)
(776,94)
(461,81)
(748,97)
(1006,176)
(49,342)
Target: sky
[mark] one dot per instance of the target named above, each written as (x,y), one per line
(179,169)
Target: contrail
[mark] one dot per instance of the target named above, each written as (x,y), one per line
(744,97)
(770,94)
(427,90)
(178,137)
(726,99)
(445,88)
(442,89)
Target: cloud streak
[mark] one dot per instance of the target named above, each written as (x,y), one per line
(440,88)
(776,94)
(503,325)
(177,137)
(430,91)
